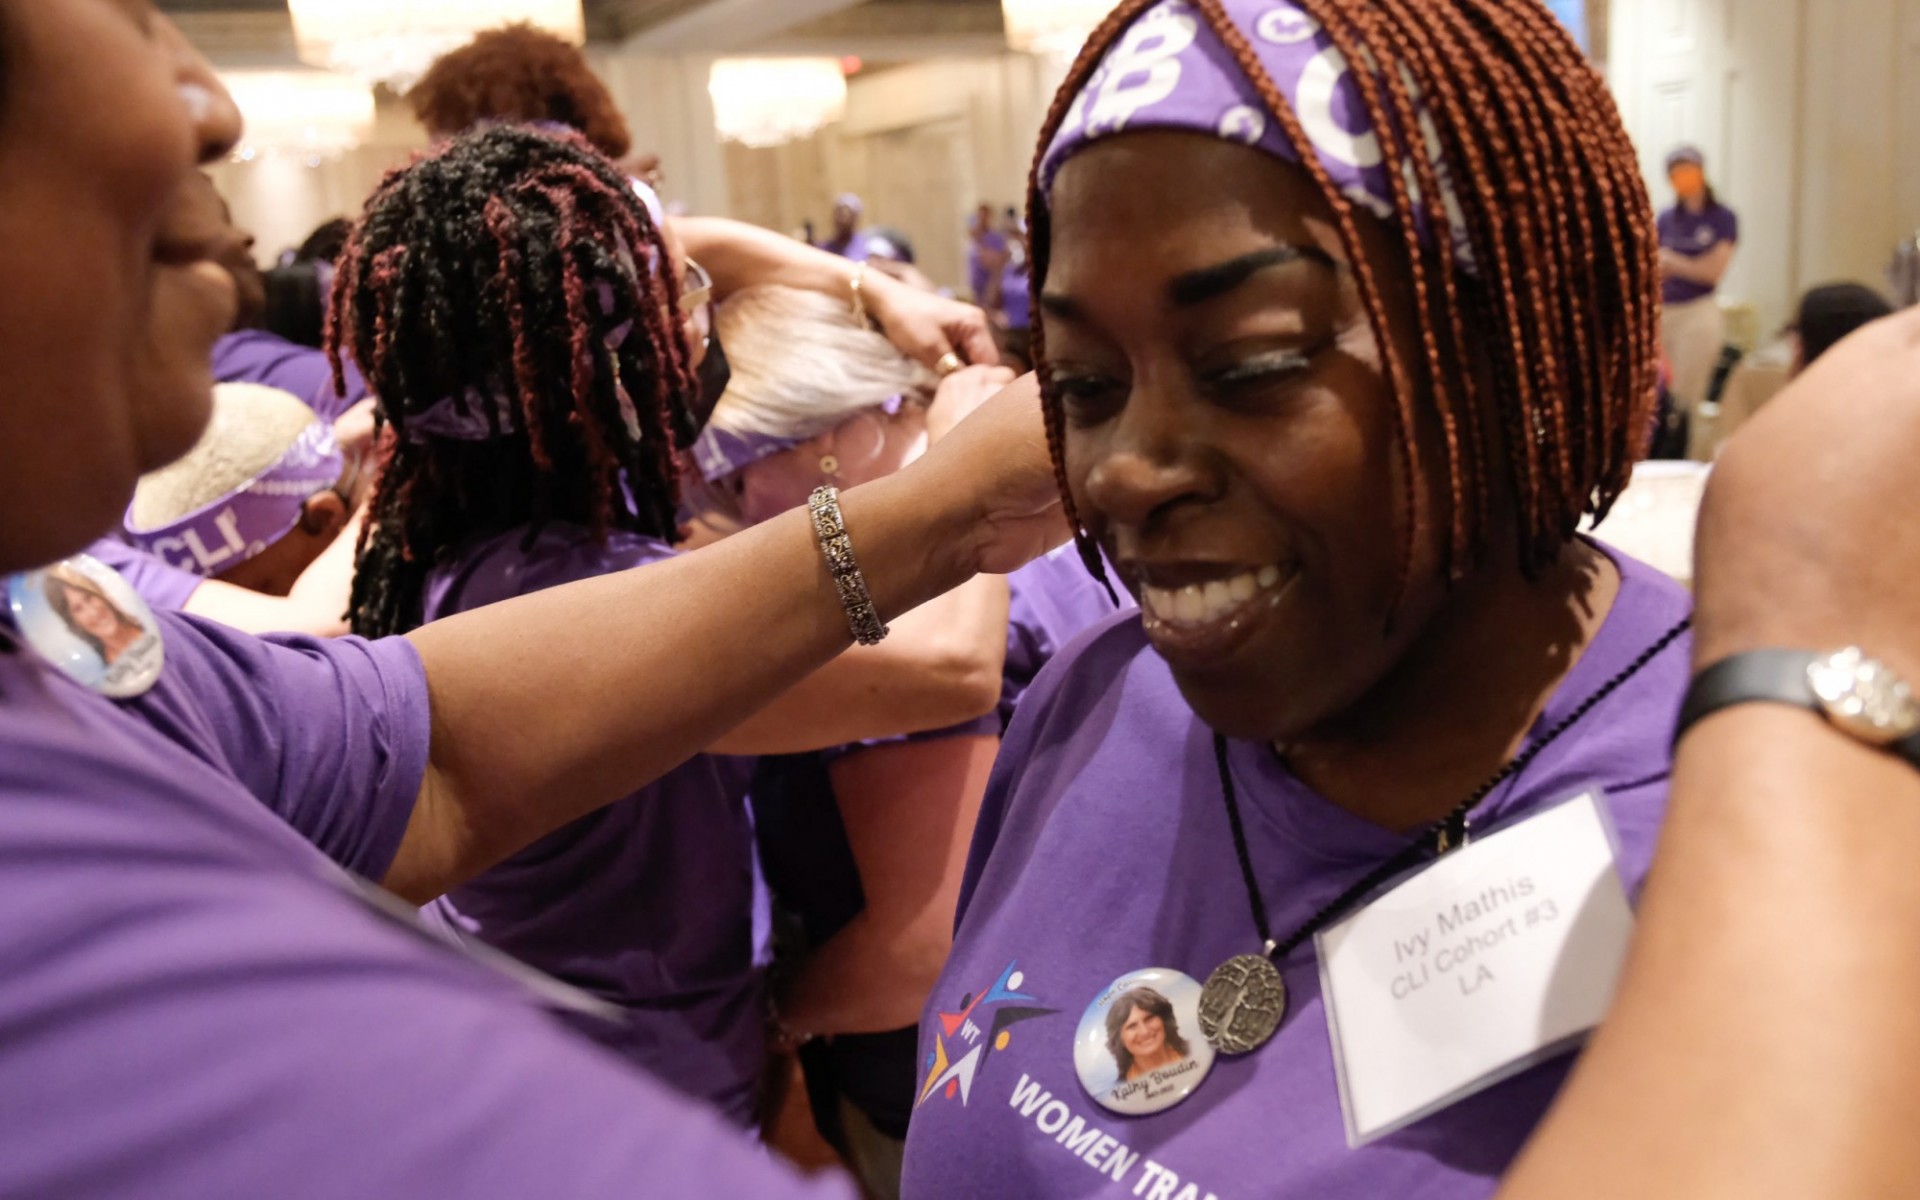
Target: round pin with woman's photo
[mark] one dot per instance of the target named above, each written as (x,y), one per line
(1139,1048)
(83,618)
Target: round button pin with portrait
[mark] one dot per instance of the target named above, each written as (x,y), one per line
(84,619)
(1139,1049)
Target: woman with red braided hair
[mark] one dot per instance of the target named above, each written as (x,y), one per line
(1347,317)
(525,327)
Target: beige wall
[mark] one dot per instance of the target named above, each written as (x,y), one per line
(665,101)
(283,198)
(921,144)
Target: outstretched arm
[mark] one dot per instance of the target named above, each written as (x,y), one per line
(1766,1041)
(923,325)
(549,706)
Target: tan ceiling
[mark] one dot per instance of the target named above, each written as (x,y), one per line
(607,20)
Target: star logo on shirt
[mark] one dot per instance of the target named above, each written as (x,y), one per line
(983,1026)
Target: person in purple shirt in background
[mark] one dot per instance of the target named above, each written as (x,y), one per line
(986,246)
(848,241)
(863,844)
(1351,531)
(196,997)
(523,462)
(1697,240)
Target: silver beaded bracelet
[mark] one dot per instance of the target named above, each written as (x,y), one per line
(831,532)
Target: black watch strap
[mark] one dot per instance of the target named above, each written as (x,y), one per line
(1768,677)
(1776,676)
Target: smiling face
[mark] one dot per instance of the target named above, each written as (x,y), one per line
(104,113)
(1144,1035)
(1230,425)
(91,614)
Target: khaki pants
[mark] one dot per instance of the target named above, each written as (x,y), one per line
(875,1159)
(1693,334)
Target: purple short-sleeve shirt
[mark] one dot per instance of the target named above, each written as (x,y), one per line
(1103,848)
(647,903)
(162,585)
(256,356)
(1694,234)
(193,1005)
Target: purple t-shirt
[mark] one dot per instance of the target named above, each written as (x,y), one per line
(193,1005)
(165,587)
(1016,296)
(857,248)
(1694,234)
(647,903)
(1051,601)
(811,865)
(1103,848)
(979,273)
(256,356)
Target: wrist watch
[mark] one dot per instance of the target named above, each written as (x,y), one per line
(1860,696)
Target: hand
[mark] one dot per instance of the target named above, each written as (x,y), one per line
(998,458)
(926,326)
(1807,537)
(353,430)
(960,394)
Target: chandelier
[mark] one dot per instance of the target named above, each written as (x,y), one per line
(395,41)
(767,101)
(1055,27)
(316,114)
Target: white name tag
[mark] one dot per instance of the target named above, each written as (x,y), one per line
(1498,956)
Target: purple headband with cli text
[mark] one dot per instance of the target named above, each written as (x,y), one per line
(243,523)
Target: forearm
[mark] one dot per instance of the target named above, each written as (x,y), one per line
(317,604)
(942,665)
(1765,1041)
(550,706)
(1707,270)
(738,255)
(924,326)
(868,978)
(909,810)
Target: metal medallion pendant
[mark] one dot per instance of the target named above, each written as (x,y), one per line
(1242,1004)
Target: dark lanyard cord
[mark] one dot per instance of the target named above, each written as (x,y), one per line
(1448,832)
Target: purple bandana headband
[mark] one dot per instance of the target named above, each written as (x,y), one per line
(476,416)
(243,523)
(1169,71)
(719,453)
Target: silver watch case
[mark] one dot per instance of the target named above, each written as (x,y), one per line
(1864,697)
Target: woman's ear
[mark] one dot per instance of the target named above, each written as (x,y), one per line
(858,440)
(324,514)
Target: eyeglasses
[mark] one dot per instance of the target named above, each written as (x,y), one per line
(697,291)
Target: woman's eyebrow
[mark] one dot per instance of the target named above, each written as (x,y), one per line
(1210,283)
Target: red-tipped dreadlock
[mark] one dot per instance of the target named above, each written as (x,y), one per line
(1562,234)
(505,264)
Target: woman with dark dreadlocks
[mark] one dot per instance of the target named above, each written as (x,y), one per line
(1348,316)
(513,305)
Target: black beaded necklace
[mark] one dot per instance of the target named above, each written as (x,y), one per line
(1245,997)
